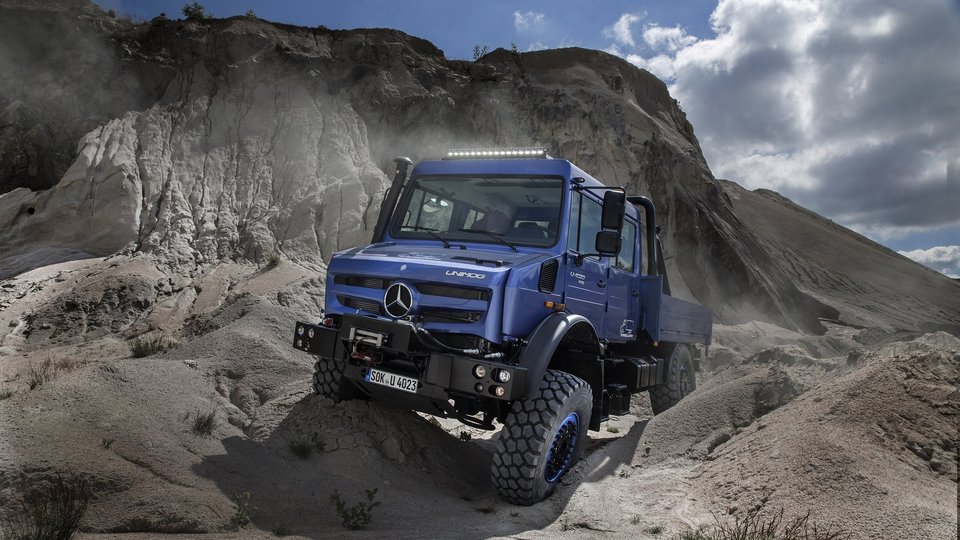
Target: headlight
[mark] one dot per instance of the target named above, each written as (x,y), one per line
(502,375)
(300,330)
(479,371)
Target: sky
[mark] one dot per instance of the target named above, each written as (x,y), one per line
(850,108)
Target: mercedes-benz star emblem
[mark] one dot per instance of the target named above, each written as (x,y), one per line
(398,300)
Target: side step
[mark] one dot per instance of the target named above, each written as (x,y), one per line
(634,372)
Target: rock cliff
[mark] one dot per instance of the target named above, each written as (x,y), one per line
(241,139)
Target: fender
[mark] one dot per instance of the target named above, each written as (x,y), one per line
(545,339)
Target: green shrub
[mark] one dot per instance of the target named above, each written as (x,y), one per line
(357,516)
(196,11)
(244,511)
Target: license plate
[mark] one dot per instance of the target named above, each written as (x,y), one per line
(392,380)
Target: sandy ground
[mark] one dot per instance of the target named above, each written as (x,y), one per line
(857,426)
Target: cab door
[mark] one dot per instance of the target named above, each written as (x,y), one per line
(585,284)
(623,292)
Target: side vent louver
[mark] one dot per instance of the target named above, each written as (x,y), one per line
(548,275)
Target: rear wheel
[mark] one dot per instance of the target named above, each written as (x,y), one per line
(542,439)
(681,380)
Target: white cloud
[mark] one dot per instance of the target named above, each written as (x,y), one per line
(848,108)
(671,39)
(945,259)
(622,31)
(660,65)
(524,21)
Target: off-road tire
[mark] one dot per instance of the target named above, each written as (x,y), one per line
(328,379)
(522,470)
(681,380)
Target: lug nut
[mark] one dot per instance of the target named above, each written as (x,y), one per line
(478,387)
(502,375)
(299,330)
(497,391)
(310,333)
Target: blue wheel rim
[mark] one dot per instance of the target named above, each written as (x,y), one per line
(562,448)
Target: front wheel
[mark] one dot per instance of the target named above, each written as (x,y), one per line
(328,379)
(542,439)
(681,380)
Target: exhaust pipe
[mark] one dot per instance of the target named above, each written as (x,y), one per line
(390,200)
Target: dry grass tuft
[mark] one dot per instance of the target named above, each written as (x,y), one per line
(754,524)
(205,423)
(49,511)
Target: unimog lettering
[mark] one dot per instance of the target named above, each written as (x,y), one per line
(470,275)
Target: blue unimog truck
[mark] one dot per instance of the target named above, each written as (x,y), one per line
(507,285)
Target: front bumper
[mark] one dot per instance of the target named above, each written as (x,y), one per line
(365,342)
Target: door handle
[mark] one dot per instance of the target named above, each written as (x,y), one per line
(601,284)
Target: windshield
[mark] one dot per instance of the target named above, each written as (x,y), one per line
(508,211)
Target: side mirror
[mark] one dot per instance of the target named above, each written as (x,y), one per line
(608,243)
(614,205)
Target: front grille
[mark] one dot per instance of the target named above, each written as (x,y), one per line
(360,303)
(452,291)
(362,281)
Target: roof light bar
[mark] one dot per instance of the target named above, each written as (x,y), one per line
(498,153)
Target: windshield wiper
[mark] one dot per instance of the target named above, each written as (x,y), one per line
(496,236)
(428,230)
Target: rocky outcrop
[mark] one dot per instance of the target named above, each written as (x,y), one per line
(244,139)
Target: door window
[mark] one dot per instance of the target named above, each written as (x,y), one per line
(585,214)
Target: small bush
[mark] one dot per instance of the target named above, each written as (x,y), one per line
(5,393)
(613,429)
(37,375)
(50,510)
(479,51)
(251,15)
(655,530)
(106,443)
(753,526)
(196,11)
(301,449)
(141,348)
(204,424)
(273,260)
(281,530)
(357,516)
(244,511)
